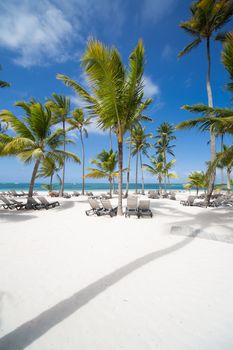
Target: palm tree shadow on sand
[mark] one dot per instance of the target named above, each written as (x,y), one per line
(27,333)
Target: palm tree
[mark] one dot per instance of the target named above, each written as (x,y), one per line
(139,146)
(226,162)
(60,107)
(156,169)
(79,122)
(168,173)
(197,179)
(165,136)
(106,163)
(49,167)
(117,92)
(207,18)
(34,140)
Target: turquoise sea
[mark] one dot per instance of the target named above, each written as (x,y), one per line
(5,186)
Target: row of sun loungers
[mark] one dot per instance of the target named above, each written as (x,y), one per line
(104,207)
(222,200)
(14,193)
(31,203)
(157,195)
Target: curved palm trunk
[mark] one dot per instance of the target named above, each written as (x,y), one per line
(128,172)
(120,177)
(136,178)
(63,167)
(143,190)
(228,178)
(33,178)
(212,135)
(83,163)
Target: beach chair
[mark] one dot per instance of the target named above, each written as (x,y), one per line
(108,209)
(47,204)
(54,194)
(75,194)
(66,195)
(131,207)
(7,204)
(33,204)
(144,208)
(16,194)
(18,205)
(189,201)
(95,207)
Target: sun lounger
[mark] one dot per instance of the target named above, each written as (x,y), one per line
(95,207)
(189,201)
(48,204)
(108,209)
(66,195)
(7,204)
(53,194)
(132,207)
(144,208)
(75,194)
(33,204)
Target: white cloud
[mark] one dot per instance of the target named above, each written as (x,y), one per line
(155,10)
(167,52)
(150,89)
(41,32)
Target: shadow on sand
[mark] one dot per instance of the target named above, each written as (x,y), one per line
(27,333)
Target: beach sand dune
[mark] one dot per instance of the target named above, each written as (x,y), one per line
(68,281)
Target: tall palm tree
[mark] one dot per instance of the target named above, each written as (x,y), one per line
(79,122)
(105,163)
(60,107)
(34,140)
(168,173)
(156,169)
(139,146)
(208,16)
(117,92)
(164,137)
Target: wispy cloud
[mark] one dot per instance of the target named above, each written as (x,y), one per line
(46,31)
(167,52)
(155,10)
(150,88)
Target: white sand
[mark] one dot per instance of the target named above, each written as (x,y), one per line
(68,281)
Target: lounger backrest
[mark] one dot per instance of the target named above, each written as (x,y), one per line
(94,203)
(144,204)
(132,202)
(191,199)
(43,200)
(32,200)
(106,204)
(5,200)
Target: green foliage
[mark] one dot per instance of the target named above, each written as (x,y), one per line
(208,17)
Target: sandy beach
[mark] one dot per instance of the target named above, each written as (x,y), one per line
(69,281)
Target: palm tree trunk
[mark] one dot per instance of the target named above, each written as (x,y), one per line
(228,178)
(143,191)
(110,137)
(51,183)
(83,163)
(165,175)
(33,178)
(128,172)
(120,177)
(110,187)
(160,183)
(222,170)
(212,135)
(63,167)
(136,179)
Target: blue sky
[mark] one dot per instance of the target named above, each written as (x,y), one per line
(40,39)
